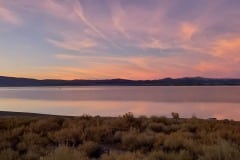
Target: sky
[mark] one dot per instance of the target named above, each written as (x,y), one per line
(130,39)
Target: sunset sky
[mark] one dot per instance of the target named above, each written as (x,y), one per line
(132,39)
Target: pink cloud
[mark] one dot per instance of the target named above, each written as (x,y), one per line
(187,30)
(8,16)
(210,67)
(227,48)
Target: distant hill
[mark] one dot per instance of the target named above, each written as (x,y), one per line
(188,81)
(19,114)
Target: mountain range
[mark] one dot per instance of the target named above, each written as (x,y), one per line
(188,81)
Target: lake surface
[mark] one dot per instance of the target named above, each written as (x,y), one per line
(202,101)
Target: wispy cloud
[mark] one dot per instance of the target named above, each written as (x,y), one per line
(118,16)
(80,13)
(9,16)
(75,45)
(155,44)
(78,10)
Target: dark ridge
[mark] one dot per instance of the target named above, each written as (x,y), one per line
(186,81)
(10,114)
(22,114)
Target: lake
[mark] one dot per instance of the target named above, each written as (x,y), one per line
(202,101)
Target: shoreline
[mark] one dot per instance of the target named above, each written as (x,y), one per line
(16,114)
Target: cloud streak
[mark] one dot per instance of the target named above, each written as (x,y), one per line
(74,44)
(80,13)
(78,10)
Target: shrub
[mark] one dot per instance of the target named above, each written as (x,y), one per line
(8,154)
(128,117)
(157,127)
(161,119)
(126,137)
(4,144)
(174,142)
(35,151)
(156,155)
(32,155)
(138,141)
(91,149)
(129,121)
(145,141)
(175,115)
(123,156)
(67,136)
(159,141)
(22,147)
(46,125)
(160,155)
(129,141)
(221,151)
(98,133)
(65,153)
(35,139)
(118,136)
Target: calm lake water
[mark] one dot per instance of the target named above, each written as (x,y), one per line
(220,102)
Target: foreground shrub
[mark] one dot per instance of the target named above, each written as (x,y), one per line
(65,153)
(91,149)
(160,155)
(174,142)
(157,127)
(221,151)
(123,156)
(119,138)
(46,125)
(8,154)
(138,141)
(67,136)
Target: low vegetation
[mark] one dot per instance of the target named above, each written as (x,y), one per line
(120,138)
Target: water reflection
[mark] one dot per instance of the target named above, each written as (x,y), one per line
(204,102)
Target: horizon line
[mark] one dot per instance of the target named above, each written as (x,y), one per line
(200,77)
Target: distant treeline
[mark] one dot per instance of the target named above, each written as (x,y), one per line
(192,81)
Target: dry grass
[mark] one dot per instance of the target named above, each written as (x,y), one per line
(119,138)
